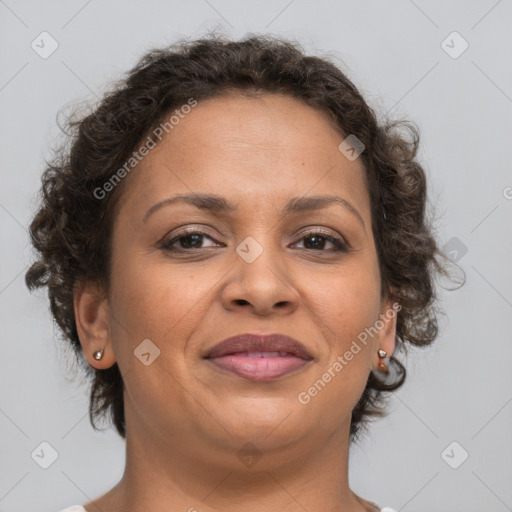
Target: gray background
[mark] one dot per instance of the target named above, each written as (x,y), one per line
(458,390)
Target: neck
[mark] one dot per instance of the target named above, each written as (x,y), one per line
(169,474)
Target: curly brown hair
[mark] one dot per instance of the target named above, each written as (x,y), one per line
(72,229)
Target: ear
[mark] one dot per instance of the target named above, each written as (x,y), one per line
(385,338)
(92,317)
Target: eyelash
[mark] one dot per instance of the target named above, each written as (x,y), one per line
(339,244)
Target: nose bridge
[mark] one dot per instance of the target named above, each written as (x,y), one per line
(259,240)
(259,254)
(256,231)
(259,275)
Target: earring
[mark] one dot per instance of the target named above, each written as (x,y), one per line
(98,354)
(383,367)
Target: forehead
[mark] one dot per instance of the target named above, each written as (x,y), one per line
(269,146)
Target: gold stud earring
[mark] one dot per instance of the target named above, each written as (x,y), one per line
(383,367)
(98,354)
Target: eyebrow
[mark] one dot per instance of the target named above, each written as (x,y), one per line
(219,205)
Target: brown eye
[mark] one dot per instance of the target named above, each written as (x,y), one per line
(317,240)
(186,241)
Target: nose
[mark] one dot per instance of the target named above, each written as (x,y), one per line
(262,287)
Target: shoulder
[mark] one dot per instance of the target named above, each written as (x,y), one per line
(375,507)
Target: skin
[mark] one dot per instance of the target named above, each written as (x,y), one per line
(187,420)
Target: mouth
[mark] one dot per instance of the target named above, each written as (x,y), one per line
(259,357)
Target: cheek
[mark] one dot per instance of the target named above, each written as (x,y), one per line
(159,301)
(145,293)
(344,306)
(160,304)
(347,302)
(343,318)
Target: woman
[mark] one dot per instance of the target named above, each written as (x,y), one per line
(234,248)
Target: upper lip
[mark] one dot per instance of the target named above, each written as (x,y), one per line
(259,343)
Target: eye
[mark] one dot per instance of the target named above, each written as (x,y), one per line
(316,240)
(191,240)
(186,241)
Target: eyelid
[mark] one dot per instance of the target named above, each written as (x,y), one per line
(192,228)
(323,231)
(331,235)
(189,228)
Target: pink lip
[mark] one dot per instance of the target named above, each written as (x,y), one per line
(232,355)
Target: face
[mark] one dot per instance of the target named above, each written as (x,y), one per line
(180,279)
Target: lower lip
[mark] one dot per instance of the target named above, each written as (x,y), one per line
(258,368)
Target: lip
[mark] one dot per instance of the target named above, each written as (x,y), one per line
(259,357)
